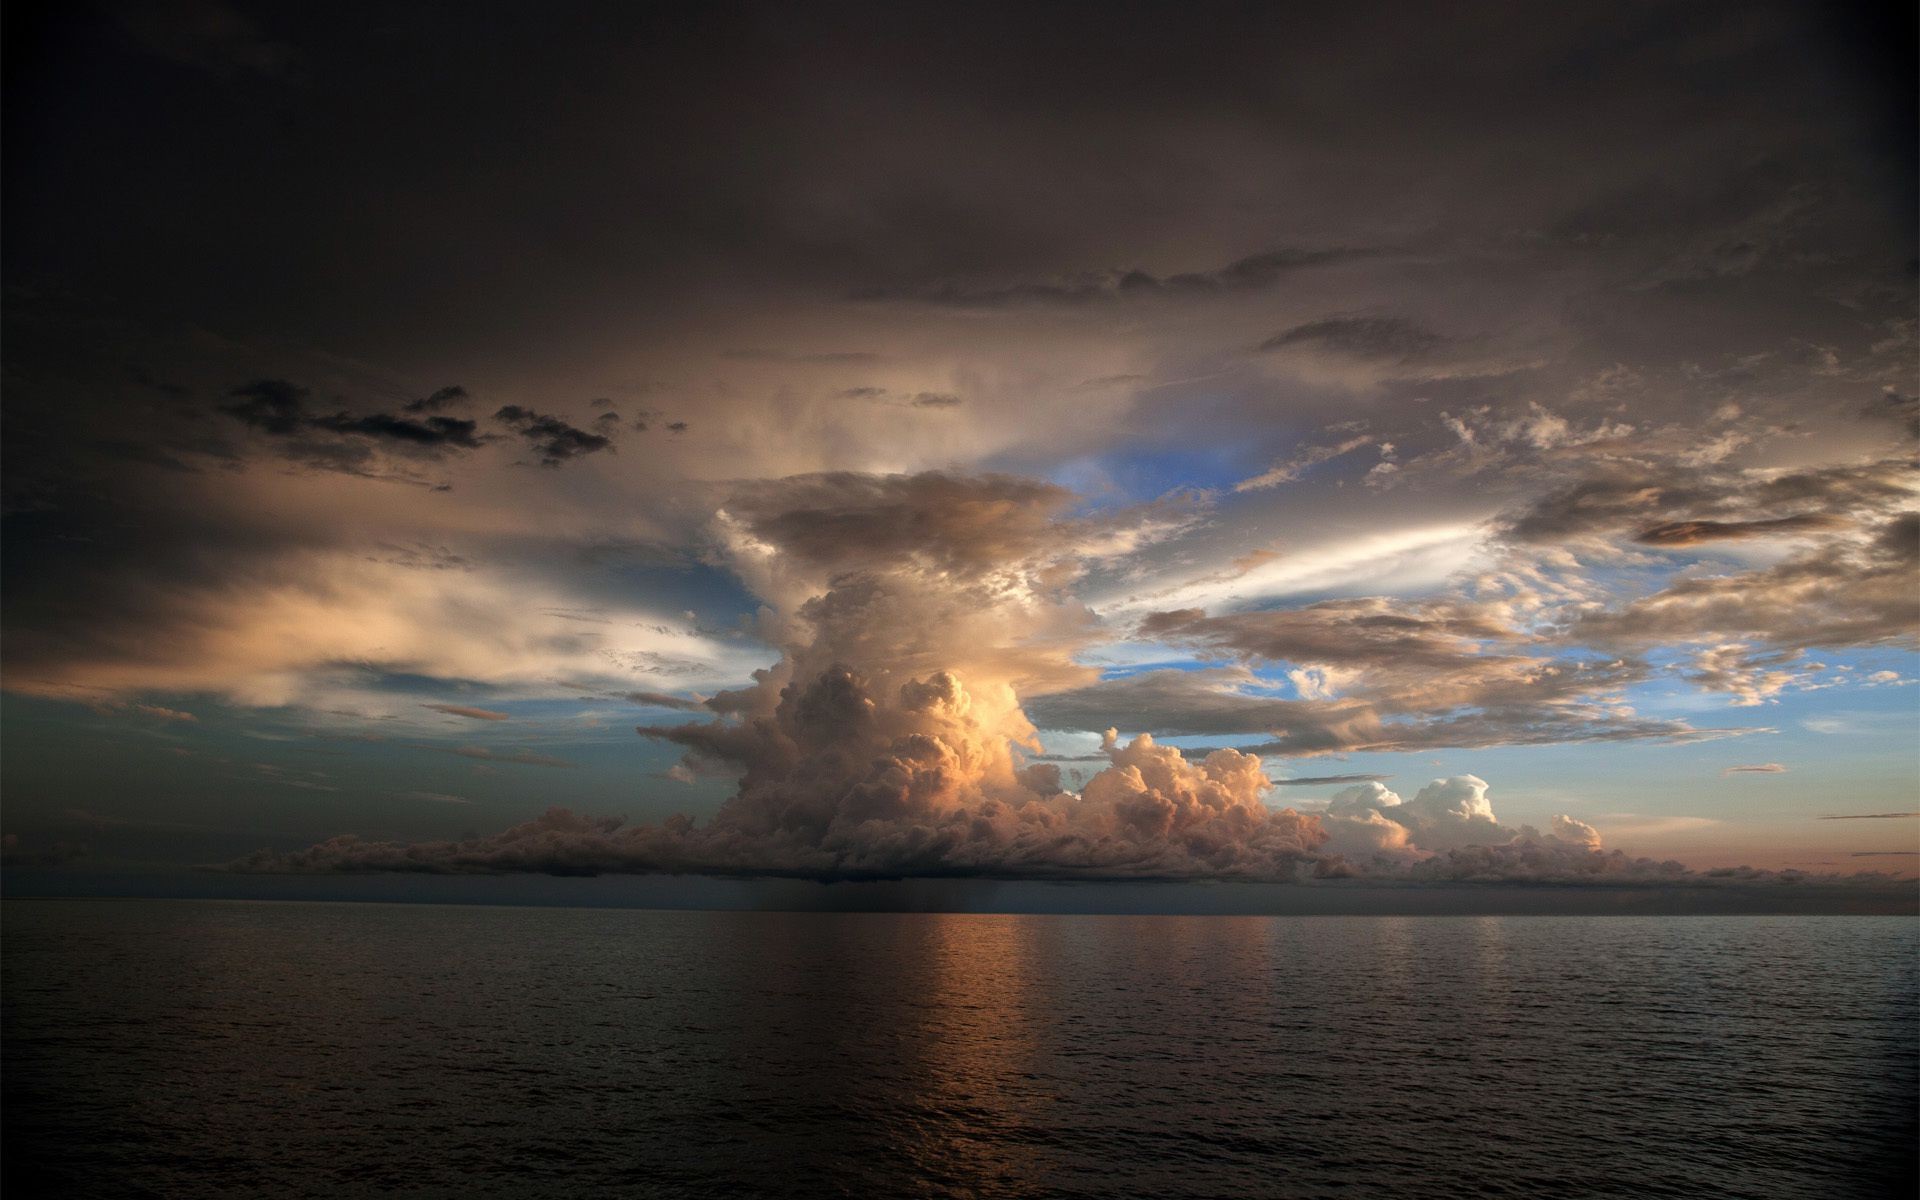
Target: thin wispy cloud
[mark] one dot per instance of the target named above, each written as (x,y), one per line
(474,714)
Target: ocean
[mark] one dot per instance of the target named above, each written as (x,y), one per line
(228,1048)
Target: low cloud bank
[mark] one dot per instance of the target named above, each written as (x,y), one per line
(845,784)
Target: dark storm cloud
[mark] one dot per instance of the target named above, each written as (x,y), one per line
(1252,273)
(988,158)
(555,441)
(445,397)
(269,405)
(431,432)
(1362,337)
(279,408)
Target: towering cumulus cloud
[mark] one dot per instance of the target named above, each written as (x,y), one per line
(912,613)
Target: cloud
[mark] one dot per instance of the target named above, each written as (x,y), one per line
(441,398)
(1394,338)
(1374,674)
(1445,814)
(1848,592)
(278,408)
(1315,780)
(461,710)
(1377,834)
(434,797)
(890,740)
(1745,632)
(1693,533)
(1756,769)
(322,627)
(108,706)
(1434,636)
(1292,468)
(862,753)
(270,405)
(525,758)
(927,805)
(1153,814)
(432,432)
(666,700)
(1225,701)
(1252,273)
(818,358)
(1886,816)
(1628,500)
(1702,319)
(16,853)
(552,438)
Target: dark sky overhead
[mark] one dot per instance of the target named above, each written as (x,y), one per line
(985,440)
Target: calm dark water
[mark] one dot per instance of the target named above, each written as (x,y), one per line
(258,1049)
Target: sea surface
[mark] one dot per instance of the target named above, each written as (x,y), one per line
(198,1049)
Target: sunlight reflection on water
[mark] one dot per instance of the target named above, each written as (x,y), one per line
(215,1048)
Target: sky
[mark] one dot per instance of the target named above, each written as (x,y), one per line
(1309,444)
